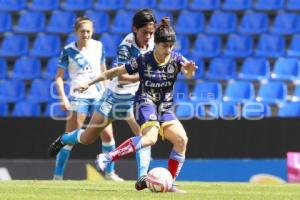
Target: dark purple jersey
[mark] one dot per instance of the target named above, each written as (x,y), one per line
(156,79)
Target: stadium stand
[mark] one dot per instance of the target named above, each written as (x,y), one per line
(239,92)
(231,40)
(26,109)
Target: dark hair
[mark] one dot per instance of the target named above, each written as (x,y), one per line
(81,20)
(143,17)
(164,32)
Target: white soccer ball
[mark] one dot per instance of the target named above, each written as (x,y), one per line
(159,180)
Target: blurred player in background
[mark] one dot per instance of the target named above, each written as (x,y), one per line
(84,60)
(122,89)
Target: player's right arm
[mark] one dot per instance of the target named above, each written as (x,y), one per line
(59,80)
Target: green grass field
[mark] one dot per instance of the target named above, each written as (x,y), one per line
(125,191)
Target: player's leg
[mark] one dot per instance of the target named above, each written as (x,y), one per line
(108,144)
(75,120)
(87,136)
(175,133)
(143,156)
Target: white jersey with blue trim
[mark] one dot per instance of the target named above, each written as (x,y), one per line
(83,65)
(126,50)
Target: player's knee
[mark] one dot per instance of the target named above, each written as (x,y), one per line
(151,140)
(182,141)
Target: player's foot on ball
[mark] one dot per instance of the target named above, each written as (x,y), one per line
(102,161)
(141,183)
(175,189)
(55,147)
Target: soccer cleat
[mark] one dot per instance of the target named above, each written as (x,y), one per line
(141,183)
(113,177)
(102,161)
(175,189)
(55,147)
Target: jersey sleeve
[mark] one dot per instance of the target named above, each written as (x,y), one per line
(123,54)
(132,66)
(103,58)
(63,60)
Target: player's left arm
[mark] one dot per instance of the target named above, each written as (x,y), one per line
(188,68)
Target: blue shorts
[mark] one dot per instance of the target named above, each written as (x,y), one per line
(82,105)
(115,106)
(147,112)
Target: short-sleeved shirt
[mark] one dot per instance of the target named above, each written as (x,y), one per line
(156,79)
(127,50)
(83,65)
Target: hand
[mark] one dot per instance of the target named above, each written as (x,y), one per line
(189,66)
(65,104)
(81,88)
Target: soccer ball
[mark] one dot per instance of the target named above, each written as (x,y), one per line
(159,180)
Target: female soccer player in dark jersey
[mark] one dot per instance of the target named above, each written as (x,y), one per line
(153,105)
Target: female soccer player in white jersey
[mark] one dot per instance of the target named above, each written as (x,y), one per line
(84,60)
(121,89)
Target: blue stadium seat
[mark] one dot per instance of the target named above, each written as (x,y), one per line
(53,109)
(296,94)
(161,14)
(40,91)
(111,43)
(26,109)
(71,38)
(12,5)
(121,23)
(14,45)
(268,5)
(77,5)
(286,69)
(207,46)
(289,110)
(109,4)
(239,92)
(11,90)
(224,110)
(6,22)
(254,23)
(51,68)
(294,47)
(222,23)
(272,93)
(100,19)
(286,23)
(30,22)
(173,5)
(185,110)
(4,110)
(292,5)
(26,68)
(190,23)
(140,4)
(181,91)
(44,5)
(238,46)
(207,92)
(254,69)
(61,22)
(270,46)
(256,110)
(46,46)
(221,69)
(236,5)
(204,5)
(182,44)
(3,68)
